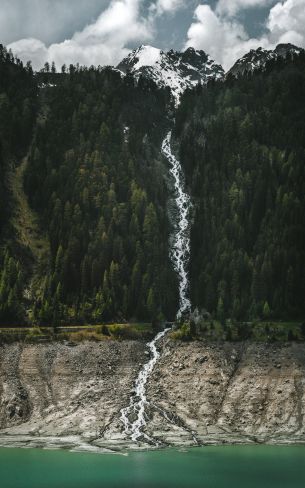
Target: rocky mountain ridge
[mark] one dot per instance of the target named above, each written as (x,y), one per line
(258,58)
(182,70)
(177,70)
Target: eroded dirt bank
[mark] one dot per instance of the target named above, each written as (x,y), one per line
(55,395)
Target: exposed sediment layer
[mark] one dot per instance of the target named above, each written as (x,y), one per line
(55,395)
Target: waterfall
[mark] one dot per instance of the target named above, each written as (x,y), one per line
(180,256)
(181,247)
(138,402)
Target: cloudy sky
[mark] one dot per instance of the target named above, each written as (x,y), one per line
(102,32)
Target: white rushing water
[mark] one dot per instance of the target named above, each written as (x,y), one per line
(138,402)
(181,246)
(133,417)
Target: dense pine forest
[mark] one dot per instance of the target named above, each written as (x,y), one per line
(97,189)
(242,145)
(18,105)
(94,179)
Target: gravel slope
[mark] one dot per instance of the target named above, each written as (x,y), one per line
(56,395)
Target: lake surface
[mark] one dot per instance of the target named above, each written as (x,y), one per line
(207,467)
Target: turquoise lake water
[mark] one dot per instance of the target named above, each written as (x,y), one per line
(207,467)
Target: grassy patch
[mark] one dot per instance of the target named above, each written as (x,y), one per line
(130,331)
(105,332)
(78,333)
(24,218)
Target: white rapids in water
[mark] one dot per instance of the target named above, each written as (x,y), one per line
(181,246)
(138,402)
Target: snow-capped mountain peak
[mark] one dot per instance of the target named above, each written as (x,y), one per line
(177,70)
(144,56)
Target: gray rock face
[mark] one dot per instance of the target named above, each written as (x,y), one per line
(61,396)
(233,392)
(257,58)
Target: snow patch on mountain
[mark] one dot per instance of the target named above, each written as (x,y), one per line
(150,56)
(175,70)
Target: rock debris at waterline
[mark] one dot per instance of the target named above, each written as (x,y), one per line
(138,401)
(54,395)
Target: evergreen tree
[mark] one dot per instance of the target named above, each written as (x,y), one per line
(242,150)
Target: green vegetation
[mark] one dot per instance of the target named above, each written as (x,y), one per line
(27,227)
(74,334)
(105,332)
(84,226)
(18,95)
(232,331)
(94,242)
(183,333)
(242,148)
(11,285)
(208,330)
(101,196)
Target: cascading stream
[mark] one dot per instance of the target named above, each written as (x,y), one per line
(181,246)
(180,256)
(138,402)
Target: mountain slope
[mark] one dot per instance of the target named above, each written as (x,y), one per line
(242,148)
(175,70)
(258,58)
(18,101)
(94,178)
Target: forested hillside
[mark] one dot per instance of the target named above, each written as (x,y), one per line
(242,145)
(83,148)
(18,100)
(94,178)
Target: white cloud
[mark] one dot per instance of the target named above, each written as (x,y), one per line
(162,6)
(122,24)
(225,39)
(102,42)
(286,21)
(231,7)
(33,50)
(47,20)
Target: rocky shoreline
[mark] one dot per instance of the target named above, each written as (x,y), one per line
(57,395)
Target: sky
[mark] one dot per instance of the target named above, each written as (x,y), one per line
(102,32)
